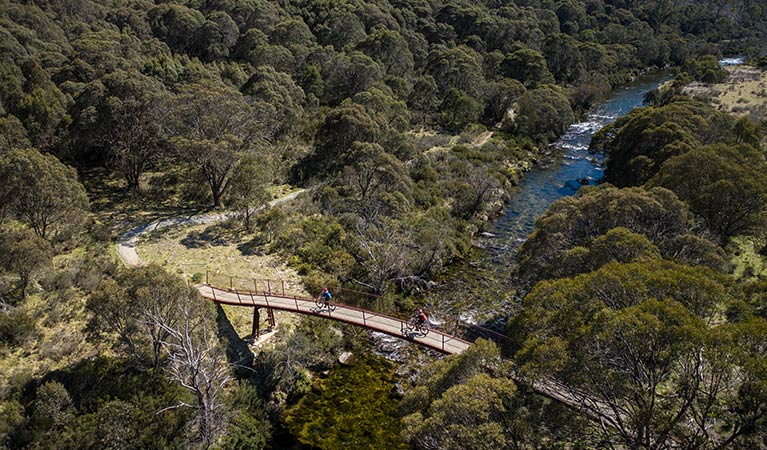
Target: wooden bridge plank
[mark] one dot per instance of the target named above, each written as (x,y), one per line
(372,320)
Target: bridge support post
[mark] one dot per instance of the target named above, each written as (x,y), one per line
(270,316)
(206,276)
(255,332)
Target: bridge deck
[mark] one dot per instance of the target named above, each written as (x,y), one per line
(436,339)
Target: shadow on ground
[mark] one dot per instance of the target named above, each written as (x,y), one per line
(237,351)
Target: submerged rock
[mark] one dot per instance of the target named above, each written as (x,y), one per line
(346,359)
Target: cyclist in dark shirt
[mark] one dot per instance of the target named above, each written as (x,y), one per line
(420,317)
(326,296)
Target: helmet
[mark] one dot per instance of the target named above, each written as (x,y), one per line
(324,289)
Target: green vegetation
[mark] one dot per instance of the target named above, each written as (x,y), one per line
(728,191)
(161,107)
(352,406)
(41,190)
(629,334)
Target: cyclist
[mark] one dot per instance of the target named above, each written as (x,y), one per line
(326,296)
(420,317)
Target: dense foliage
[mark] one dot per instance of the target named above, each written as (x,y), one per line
(330,92)
(192,103)
(633,312)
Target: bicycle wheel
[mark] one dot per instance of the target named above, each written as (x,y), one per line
(423,329)
(319,302)
(331,305)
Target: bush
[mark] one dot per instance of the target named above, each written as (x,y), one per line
(17,326)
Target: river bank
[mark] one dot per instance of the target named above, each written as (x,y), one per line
(480,289)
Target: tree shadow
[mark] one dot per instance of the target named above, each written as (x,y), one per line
(215,235)
(253,247)
(237,351)
(90,381)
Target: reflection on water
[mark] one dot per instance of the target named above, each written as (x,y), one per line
(572,165)
(736,61)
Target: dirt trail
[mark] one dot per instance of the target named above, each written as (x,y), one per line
(482,138)
(126,244)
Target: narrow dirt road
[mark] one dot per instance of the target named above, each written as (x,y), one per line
(126,244)
(482,139)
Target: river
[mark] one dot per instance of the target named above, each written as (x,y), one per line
(572,165)
(481,286)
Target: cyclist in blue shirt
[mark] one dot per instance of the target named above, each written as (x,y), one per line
(326,296)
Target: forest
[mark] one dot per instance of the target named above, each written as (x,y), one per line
(408,125)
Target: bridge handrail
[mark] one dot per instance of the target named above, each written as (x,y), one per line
(449,336)
(280,291)
(277,283)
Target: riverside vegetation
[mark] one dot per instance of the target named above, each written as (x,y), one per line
(118,111)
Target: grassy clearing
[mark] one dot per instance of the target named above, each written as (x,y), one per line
(119,209)
(430,141)
(749,264)
(743,93)
(223,250)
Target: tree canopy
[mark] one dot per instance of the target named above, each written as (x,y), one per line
(41,190)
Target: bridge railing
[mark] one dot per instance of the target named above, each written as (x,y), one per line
(349,297)
(246,289)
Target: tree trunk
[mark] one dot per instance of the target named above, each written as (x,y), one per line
(156,348)
(132,179)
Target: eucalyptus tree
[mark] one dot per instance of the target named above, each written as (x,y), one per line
(729,189)
(125,306)
(212,127)
(196,361)
(341,128)
(118,118)
(390,50)
(544,113)
(248,186)
(41,190)
(23,253)
(578,234)
(466,401)
(637,346)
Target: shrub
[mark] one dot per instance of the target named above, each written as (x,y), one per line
(17,326)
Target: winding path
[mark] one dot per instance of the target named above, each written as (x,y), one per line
(438,340)
(126,250)
(126,245)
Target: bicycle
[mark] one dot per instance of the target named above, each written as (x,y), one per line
(414,325)
(322,302)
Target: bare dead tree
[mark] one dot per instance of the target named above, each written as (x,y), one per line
(384,252)
(197,363)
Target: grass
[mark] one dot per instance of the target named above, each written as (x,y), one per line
(749,264)
(743,93)
(222,250)
(430,141)
(58,339)
(120,210)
